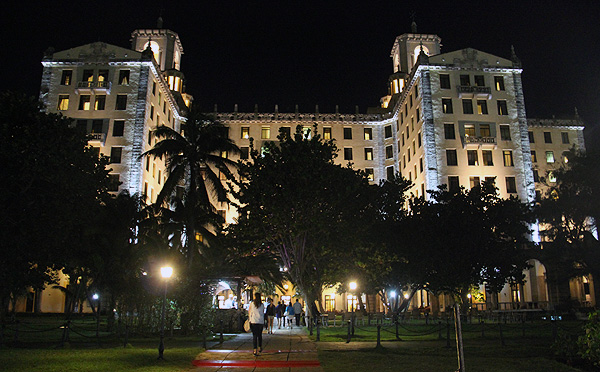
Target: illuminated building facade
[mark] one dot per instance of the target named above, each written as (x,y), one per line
(455,118)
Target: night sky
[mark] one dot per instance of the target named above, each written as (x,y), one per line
(325,53)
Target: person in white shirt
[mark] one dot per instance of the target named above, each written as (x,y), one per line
(256,316)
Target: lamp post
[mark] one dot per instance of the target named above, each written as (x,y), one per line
(166,273)
(352,286)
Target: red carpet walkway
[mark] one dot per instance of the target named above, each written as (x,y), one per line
(289,351)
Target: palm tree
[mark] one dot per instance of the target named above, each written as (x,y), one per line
(195,162)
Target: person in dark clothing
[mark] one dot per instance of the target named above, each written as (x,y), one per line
(279,314)
(270,312)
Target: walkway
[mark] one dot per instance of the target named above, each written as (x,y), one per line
(286,350)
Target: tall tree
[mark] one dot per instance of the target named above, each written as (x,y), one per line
(53,185)
(568,213)
(195,162)
(293,200)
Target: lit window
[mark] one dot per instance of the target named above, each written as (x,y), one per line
(67,77)
(326,133)
(551,177)
(469,130)
(224,154)
(549,156)
(533,157)
(482,107)
(508,158)
(63,102)
(88,75)
(245,132)
(265,133)
(306,132)
(100,102)
(499,82)
(502,108)
(368,154)
(447,105)
(370,174)
(85,102)
(124,77)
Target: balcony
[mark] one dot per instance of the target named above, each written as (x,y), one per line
(97,137)
(468,91)
(93,86)
(475,142)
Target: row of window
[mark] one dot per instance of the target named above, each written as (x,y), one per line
(85,102)
(101,126)
(564,136)
(90,75)
(265,132)
(454,183)
(549,157)
(467,106)
(465,81)
(478,130)
(473,158)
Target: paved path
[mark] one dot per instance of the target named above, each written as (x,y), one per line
(285,350)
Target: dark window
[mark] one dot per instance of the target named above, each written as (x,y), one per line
(479,80)
(487,157)
(416,91)
(531,137)
(388,131)
(100,102)
(82,125)
(472,157)
(410,100)
(490,180)
(347,133)
(453,184)
(419,139)
(482,107)
(511,185)
(499,82)
(368,133)
(565,137)
(449,132)
(536,176)
(115,154)
(67,77)
(244,151)
(505,132)
(88,75)
(286,131)
(465,80)
(95,151)
(484,130)
(124,77)
(447,105)
(389,152)
(421,165)
(118,128)
(121,102)
(467,106)
(502,109)
(113,182)
(151,112)
(451,158)
(348,153)
(547,137)
(444,81)
(390,173)
(154,88)
(418,115)
(97,126)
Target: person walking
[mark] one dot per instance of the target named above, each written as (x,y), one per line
(256,315)
(297,312)
(270,313)
(279,313)
(290,314)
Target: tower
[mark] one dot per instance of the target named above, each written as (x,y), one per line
(165,45)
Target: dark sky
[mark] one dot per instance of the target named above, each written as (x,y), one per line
(326,52)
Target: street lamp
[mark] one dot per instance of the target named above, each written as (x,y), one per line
(166,272)
(352,286)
